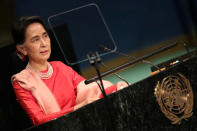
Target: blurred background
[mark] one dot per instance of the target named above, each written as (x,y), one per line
(138,27)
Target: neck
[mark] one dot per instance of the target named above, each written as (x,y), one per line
(38,66)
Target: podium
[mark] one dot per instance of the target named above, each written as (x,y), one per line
(164,101)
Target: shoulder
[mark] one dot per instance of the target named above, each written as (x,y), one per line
(59,65)
(56,63)
(13,77)
(16,78)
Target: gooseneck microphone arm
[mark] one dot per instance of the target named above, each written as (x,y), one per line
(130,63)
(103,48)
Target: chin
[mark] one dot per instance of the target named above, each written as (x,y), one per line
(45,58)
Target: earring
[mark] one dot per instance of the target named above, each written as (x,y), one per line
(21,55)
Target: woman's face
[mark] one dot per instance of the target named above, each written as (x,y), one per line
(37,45)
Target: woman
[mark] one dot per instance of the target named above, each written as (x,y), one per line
(47,90)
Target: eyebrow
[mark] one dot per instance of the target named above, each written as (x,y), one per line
(34,37)
(45,33)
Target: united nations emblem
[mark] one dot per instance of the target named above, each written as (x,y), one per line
(175,97)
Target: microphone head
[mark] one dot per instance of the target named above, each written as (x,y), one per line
(103,48)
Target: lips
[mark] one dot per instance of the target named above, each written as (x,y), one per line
(44,52)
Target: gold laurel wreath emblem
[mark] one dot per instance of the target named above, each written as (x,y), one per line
(175,97)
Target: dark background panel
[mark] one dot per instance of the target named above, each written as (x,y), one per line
(134,24)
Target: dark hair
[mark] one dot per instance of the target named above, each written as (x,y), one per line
(20,26)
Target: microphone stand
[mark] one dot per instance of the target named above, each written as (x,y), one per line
(94,60)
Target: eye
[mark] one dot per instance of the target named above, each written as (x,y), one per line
(35,40)
(45,35)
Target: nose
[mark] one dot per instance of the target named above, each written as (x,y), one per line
(43,42)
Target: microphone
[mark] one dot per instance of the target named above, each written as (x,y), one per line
(104,48)
(186,48)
